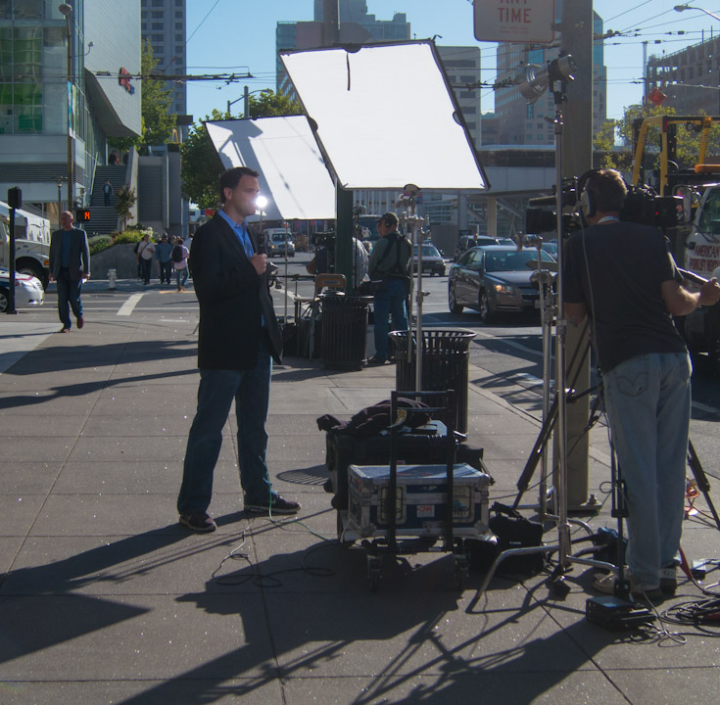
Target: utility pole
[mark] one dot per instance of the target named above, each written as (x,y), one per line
(577,39)
(344,223)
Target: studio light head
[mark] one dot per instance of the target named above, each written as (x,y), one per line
(534,80)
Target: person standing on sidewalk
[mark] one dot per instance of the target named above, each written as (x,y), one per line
(145,253)
(239,337)
(389,264)
(69,266)
(163,251)
(622,276)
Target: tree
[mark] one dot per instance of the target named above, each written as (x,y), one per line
(201,165)
(157,122)
(126,198)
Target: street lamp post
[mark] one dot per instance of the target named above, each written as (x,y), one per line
(682,8)
(66,10)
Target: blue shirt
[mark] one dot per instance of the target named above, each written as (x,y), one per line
(241,233)
(65,252)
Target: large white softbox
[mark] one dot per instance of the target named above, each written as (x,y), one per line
(293,175)
(385,116)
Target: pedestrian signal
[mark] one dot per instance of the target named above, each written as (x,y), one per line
(82,215)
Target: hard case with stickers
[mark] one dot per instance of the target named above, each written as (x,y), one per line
(420,501)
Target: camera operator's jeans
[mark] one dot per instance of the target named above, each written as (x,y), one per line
(389,299)
(647,399)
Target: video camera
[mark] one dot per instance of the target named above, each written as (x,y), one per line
(323,239)
(642,205)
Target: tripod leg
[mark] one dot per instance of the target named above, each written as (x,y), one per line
(701,480)
(536,454)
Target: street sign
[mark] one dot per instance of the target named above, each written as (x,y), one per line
(514,21)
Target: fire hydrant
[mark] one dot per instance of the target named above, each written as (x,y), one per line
(112,275)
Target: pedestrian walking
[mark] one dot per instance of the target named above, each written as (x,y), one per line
(69,267)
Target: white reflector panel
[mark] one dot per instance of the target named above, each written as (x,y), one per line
(293,175)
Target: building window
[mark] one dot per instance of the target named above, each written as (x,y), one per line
(178,14)
(179,38)
(157,15)
(157,39)
(158,26)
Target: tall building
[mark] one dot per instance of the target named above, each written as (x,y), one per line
(521,122)
(162,23)
(690,78)
(462,65)
(42,84)
(356,26)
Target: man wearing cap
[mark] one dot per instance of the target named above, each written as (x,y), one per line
(389,266)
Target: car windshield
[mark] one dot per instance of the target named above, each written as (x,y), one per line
(511,261)
(428,251)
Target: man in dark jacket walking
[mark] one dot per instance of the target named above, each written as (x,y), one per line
(69,266)
(238,338)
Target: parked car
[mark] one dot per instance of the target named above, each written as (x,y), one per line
(278,242)
(432,260)
(493,280)
(28,290)
(468,241)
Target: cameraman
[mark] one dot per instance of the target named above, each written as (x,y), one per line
(622,275)
(389,266)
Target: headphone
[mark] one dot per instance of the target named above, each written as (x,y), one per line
(587,198)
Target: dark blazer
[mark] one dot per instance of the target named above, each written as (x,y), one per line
(233,300)
(79,258)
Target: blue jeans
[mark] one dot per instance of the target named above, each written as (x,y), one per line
(648,404)
(165,271)
(251,391)
(390,299)
(68,297)
(181,274)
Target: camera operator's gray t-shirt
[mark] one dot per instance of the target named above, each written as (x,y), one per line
(617,270)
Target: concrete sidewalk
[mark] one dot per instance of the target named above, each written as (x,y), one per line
(106,599)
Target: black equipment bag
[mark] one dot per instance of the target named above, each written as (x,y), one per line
(512,531)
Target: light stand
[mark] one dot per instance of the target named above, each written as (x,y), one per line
(409,200)
(557,76)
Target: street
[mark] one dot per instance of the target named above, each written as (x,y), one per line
(509,351)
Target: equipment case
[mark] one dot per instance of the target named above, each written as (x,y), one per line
(421,501)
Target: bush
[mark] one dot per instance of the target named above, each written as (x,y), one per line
(131,236)
(98,243)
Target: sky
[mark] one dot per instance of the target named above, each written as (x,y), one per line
(226,36)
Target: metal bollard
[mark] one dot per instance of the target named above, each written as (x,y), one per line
(112,275)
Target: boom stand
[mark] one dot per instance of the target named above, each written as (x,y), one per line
(563,543)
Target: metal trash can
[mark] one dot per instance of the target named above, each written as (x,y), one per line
(344,331)
(445,359)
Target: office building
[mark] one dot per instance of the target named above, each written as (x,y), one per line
(690,78)
(40,88)
(521,122)
(162,23)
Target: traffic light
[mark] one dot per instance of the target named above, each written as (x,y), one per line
(82,215)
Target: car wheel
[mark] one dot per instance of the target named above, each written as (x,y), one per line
(453,305)
(4,297)
(486,314)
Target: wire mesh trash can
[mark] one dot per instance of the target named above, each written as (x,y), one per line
(344,331)
(445,359)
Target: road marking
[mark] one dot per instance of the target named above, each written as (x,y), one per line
(127,308)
